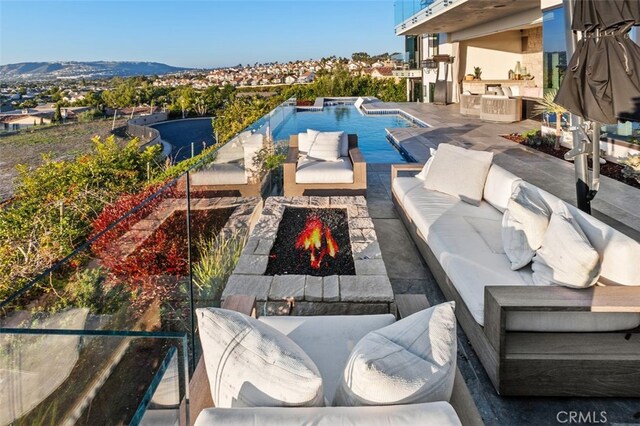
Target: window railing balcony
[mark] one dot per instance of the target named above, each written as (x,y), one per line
(410,13)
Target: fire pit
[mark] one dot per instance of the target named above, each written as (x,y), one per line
(312,242)
(321,253)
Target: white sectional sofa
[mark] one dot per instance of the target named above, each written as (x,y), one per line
(532,339)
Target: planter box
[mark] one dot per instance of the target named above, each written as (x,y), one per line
(614,149)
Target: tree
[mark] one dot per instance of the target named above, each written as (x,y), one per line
(57,115)
(29,103)
(185,99)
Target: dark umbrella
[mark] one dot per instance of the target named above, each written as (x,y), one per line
(602,82)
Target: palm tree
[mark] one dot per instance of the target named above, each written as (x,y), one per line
(548,106)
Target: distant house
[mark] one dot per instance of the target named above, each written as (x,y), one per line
(383,72)
(353,66)
(289,79)
(377,65)
(307,77)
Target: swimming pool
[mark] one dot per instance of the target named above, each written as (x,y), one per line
(372,137)
(181,133)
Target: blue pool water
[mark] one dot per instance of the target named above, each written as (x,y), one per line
(372,138)
(181,133)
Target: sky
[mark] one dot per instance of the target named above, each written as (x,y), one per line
(188,33)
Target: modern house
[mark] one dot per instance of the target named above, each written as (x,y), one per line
(513,43)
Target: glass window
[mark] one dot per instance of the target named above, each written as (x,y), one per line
(411,48)
(555,48)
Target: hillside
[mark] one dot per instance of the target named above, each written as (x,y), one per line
(25,71)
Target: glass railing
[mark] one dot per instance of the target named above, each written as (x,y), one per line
(405,9)
(109,331)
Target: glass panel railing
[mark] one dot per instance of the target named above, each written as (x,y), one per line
(66,376)
(107,331)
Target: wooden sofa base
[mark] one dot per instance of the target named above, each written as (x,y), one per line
(542,364)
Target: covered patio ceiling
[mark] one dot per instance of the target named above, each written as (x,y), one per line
(463,14)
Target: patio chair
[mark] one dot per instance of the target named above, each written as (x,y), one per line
(308,175)
(233,172)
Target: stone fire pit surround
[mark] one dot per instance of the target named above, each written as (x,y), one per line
(367,292)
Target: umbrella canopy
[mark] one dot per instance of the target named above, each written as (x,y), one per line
(602,82)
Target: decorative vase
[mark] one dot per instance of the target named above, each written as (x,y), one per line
(518,71)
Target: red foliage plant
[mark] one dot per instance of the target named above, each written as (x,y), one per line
(149,268)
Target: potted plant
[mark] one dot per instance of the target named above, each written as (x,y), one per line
(477,72)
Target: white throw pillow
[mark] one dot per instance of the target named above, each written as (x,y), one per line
(305,140)
(459,172)
(566,256)
(250,364)
(425,169)
(326,146)
(409,362)
(524,224)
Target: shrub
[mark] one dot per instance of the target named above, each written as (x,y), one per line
(218,258)
(631,168)
(55,204)
(88,289)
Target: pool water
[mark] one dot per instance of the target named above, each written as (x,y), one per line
(182,133)
(372,138)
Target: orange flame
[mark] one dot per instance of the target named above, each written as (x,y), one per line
(311,239)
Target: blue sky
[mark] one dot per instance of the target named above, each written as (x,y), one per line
(193,33)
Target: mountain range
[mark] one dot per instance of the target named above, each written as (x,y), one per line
(26,71)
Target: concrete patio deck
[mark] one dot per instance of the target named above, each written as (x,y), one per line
(409,274)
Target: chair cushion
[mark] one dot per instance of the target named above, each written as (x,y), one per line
(252,146)
(429,414)
(250,364)
(499,186)
(566,256)
(313,171)
(328,340)
(326,146)
(409,362)
(459,172)
(524,224)
(220,174)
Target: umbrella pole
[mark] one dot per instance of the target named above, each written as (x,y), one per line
(580,151)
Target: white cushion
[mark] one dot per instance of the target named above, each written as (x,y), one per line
(459,172)
(313,171)
(326,146)
(427,165)
(251,147)
(328,340)
(499,187)
(231,152)
(429,414)
(409,362)
(507,91)
(524,224)
(305,140)
(566,256)
(250,364)
(515,90)
(220,174)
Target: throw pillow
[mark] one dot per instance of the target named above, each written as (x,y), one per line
(566,256)
(305,140)
(409,362)
(425,169)
(250,364)
(326,146)
(459,172)
(524,224)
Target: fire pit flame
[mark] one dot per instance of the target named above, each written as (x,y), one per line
(311,239)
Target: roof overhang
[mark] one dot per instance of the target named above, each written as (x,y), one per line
(447,16)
